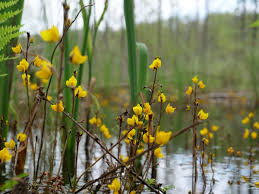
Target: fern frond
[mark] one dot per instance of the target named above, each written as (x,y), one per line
(6,15)
(6,39)
(4,30)
(6,4)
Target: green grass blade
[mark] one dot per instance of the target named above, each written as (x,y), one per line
(130,29)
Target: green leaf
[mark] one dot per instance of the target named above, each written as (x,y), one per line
(6,4)
(255,24)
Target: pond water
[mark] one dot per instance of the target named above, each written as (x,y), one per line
(175,169)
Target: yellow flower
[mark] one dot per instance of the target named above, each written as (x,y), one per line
(204,131)
(37,61)
(162,137)
(246,134)
(95,121)
(131,134)
(239,154)
(10,145)
(132,121)
(169,109)
(147,138)
(245,120)
(214,128)
(124,159)
(251,115)
(256,125)
(161,98)
(158,153)
(50,35)
(21,137)
(254,135)
(230,150)
(149,115)
(49,98)
(23,65)
(257,184)
(195,79)
(17,49)
(71,83)
(80,93)
(45,71)
(188,107)
(205,141)
(146,108)
(210,135)
(26,79)
(58,107)
(5,155)
(139,151)
(156,64)
(201,85)
(133,192)
(76,57)
(105,131)
(137,109)
(189,91)
(115,186)
(34,86)
(202,115)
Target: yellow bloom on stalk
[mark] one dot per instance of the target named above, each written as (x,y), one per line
(49,98)
(202,115)
(230,150)
(133,120)
(254,135)
(21,137)
(95,121)
(58,107)
(45,71)
(50,35)
(10,145)
(210,135)
(188,107)
(71,83)
(124,159)
(214,128)
(195,79)
(245,120)
(205,141)
(256,125)
(105,131)
(189,91)
(149,115)
(23,65)
(34,86)
(158,153)
(257,184)
(115,186)
(26,79)
(156,64)
(139,151)
(133,192)
(80,93)
(76,57)
(162,137)
(246,133)
(161,98)
(17,49)
(131,134)
(251,115)
(37,61)
(146,108)
(137,110)
(204,131)
(5,156)
(201,85)
(169,109)
(147,138)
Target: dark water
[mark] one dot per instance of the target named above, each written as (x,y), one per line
(176,167)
